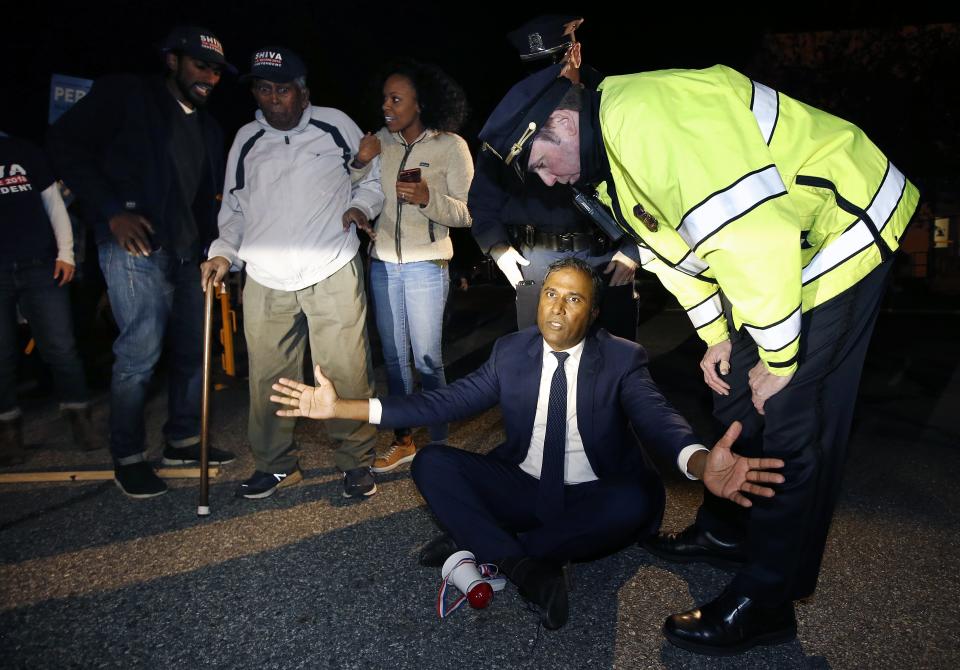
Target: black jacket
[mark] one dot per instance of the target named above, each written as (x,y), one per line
(111,149)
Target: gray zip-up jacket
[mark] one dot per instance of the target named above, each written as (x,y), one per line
(284,197)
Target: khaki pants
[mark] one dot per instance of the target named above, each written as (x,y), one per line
(332,313)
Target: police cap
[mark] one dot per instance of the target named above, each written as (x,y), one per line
(544,36)
(524,110)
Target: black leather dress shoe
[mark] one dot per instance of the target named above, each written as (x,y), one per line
(731,624)
(695,546)
(544,585)
(436,551)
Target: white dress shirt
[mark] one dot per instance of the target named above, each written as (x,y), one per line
(576,467)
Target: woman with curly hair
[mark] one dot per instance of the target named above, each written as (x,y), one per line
(426,170)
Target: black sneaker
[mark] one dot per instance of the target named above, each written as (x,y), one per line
(263,484)
(358,482)
(191,455)
(138,480)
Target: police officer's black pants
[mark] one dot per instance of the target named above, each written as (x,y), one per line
(806,424)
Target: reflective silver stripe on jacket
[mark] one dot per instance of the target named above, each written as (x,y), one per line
(730,204)
(765,106)
(706,312)
(858,237)
(692,265)
(646,255)
(779,335)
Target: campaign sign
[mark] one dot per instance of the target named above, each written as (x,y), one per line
(64,92)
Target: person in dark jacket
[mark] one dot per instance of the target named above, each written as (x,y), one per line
(146,163)
(525,226)
(36,264)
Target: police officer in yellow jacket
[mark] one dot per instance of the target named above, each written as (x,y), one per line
(773,223)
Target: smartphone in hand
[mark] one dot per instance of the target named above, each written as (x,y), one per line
(411,176)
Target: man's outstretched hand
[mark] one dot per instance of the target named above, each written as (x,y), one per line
(729,475)
(313,402)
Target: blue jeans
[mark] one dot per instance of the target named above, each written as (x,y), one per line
(47,307)
(153,297)
(408,302)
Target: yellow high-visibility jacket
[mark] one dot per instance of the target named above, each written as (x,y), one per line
(780,205)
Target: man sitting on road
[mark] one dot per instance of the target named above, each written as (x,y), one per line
(568,483)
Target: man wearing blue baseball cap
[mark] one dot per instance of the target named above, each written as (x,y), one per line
(146,164)
(290,211)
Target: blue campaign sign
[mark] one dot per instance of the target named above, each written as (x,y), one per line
(64,91)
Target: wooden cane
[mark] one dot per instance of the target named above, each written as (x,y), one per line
(204,508)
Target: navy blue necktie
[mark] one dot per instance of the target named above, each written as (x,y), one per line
(550,492)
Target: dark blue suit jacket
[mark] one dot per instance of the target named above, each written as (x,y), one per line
(614,390)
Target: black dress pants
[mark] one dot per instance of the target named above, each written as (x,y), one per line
(489,507)
(807,424)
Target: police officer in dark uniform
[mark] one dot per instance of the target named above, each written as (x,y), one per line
(524,225)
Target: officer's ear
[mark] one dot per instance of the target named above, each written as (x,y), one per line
(564,122)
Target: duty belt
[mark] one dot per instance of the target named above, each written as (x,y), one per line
(528,236)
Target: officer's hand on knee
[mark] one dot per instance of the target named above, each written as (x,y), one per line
(717,356)
(764,384)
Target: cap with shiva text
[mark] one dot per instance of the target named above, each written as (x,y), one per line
(545,37)
(197,43)
(509,131)
(276,64)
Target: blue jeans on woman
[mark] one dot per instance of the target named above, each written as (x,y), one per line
(153,298)
(408,301)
